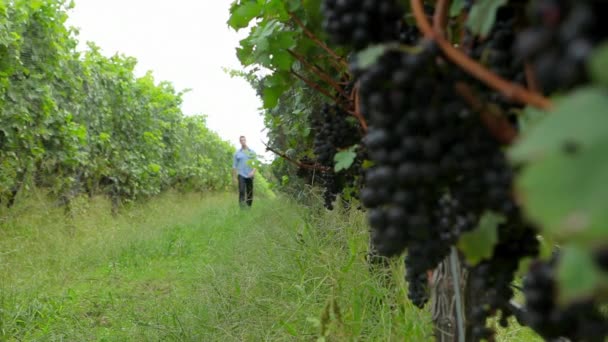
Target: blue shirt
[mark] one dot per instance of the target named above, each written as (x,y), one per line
(241,158)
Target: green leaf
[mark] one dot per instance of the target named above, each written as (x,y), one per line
(528,118)
(482,16)
(578,277)
(598,64)
(567,195)
(479,244)
(243,13)
(154,168)
(456,7)
(564,186)
(284,40)
(294,5)
(245,52)
(103,136)
(271,96)
(367,164)
(344,159)
(577,119)
(370,55)
(274,86)
(282,60)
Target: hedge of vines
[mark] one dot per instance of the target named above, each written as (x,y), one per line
(476,125)
(80,123)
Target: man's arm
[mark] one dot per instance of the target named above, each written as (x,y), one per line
(252,173)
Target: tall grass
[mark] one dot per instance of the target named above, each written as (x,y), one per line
(197,268)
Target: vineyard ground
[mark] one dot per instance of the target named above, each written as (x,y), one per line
(196,268)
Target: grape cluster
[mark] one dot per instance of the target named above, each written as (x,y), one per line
(490,281)
(560,40)
(424,140)
(333,131)
(437,169)
(579,322)
(417,290)
(448,223)
(496,51)
(362,22)
(408,34)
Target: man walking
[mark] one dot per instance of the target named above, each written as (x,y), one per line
(242,169)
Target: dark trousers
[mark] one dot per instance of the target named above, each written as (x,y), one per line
(245,191)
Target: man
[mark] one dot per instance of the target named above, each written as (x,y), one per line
(242,169)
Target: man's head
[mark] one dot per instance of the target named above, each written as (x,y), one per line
(243,141)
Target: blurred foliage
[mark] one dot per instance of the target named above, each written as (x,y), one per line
(84,123)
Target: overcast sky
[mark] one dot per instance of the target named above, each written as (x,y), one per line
(186,42)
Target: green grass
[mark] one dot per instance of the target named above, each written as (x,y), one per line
(197,268)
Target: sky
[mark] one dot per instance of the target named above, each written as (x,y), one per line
(186,42)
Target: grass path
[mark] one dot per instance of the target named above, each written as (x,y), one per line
(192,268)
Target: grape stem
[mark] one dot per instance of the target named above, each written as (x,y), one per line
(440,16)
(357,112)
(492,117)
(531,78)
(462,21)
(295,162)
(508,89)
(317,41)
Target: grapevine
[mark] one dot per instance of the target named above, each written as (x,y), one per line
(443,95)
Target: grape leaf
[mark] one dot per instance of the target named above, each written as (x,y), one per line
(367,164)
(282,60)
(578,119)
(598,64)
(482,16)
(456,7)
(528,118)
(243,13)
(370,55)
(564,187)
(577,275)
(344,159)
(567,195)
(294,5)
(479,244)
(274,86)
(271,95)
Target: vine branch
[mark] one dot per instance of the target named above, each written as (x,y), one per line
(508,89)
(317,41)
(320,89)
(296,162)
(493,119)
(531,78)
(317,71)
(315,86)
(357,112)
(440,16)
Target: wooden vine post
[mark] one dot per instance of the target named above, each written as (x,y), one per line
(444,281)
